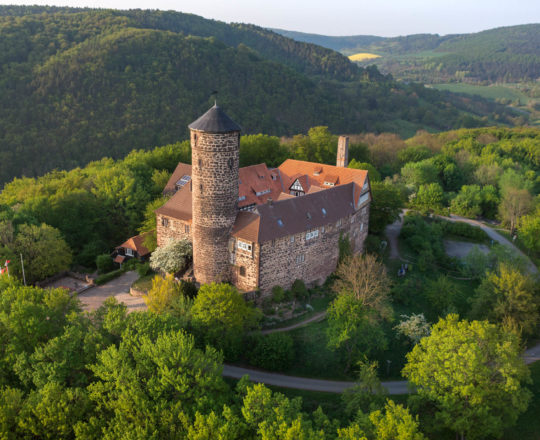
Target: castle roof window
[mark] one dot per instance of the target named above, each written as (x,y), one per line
(182,171)
(185,179)
(280,222)
(215,120)
(323,211)
(317,171)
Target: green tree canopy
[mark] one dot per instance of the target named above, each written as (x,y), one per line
(473,374)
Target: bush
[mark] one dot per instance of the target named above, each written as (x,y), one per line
(267,306)
(188,289)
(104,263)
(462,229)
(274,351)
(373,245)
(102,279)
(299,290)
(143,269)
(278,294)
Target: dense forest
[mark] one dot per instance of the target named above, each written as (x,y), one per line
(507,54)
(70,374)
(79,84)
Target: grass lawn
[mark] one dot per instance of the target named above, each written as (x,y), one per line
(144,284)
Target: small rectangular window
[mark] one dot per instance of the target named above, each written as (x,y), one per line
(361,227)
(338,223)
(129,252)
(242,271)
(186,229)
(300,258)
(244,246)
(312,234)
(164,222)
(292,238)
(322,230)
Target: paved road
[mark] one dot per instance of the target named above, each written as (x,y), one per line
(315,318)
(302,383)
(119,288)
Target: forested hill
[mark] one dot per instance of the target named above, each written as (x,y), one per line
(80,84)
(507,54)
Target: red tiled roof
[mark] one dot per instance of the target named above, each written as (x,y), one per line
(257,179)
(119,259)
(136,244)
(338,200)
(321,173)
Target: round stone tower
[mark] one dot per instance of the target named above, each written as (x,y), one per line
(215,147)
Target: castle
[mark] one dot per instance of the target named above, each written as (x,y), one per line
(258,227)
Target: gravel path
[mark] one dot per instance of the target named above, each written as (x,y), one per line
(315,318)
(119,288)
(303,383)
(392,233)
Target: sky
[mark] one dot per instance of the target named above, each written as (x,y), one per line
(385,18)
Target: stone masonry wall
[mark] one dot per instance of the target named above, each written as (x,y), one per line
(247,260)
(214,159)
(175,230)
(281,261)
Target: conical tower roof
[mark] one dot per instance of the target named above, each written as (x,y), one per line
(215,121)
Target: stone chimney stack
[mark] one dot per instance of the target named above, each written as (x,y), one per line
(343,152)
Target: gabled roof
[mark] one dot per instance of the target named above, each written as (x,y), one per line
(296,214)
(179,205)
(319,173)
(215,121)
(136,244)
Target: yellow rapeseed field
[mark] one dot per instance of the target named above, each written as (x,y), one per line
(363,56)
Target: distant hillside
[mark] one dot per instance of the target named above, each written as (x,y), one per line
(80,84)
(506,54)
(335,43)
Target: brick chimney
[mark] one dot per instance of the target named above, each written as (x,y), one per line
(343,152)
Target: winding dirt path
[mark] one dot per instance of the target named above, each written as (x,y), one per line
(315,318)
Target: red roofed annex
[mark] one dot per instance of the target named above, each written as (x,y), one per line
(258,227)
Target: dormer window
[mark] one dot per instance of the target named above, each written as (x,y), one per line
(329,183)
(308,215)
(185,179)
(317,171)
(274,177)
(323,211)
(241,198)
(280,222)
(262,193)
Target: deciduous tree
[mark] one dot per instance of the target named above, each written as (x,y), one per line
(364,278)
(474,375)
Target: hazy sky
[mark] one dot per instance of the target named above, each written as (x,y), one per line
(343,17)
